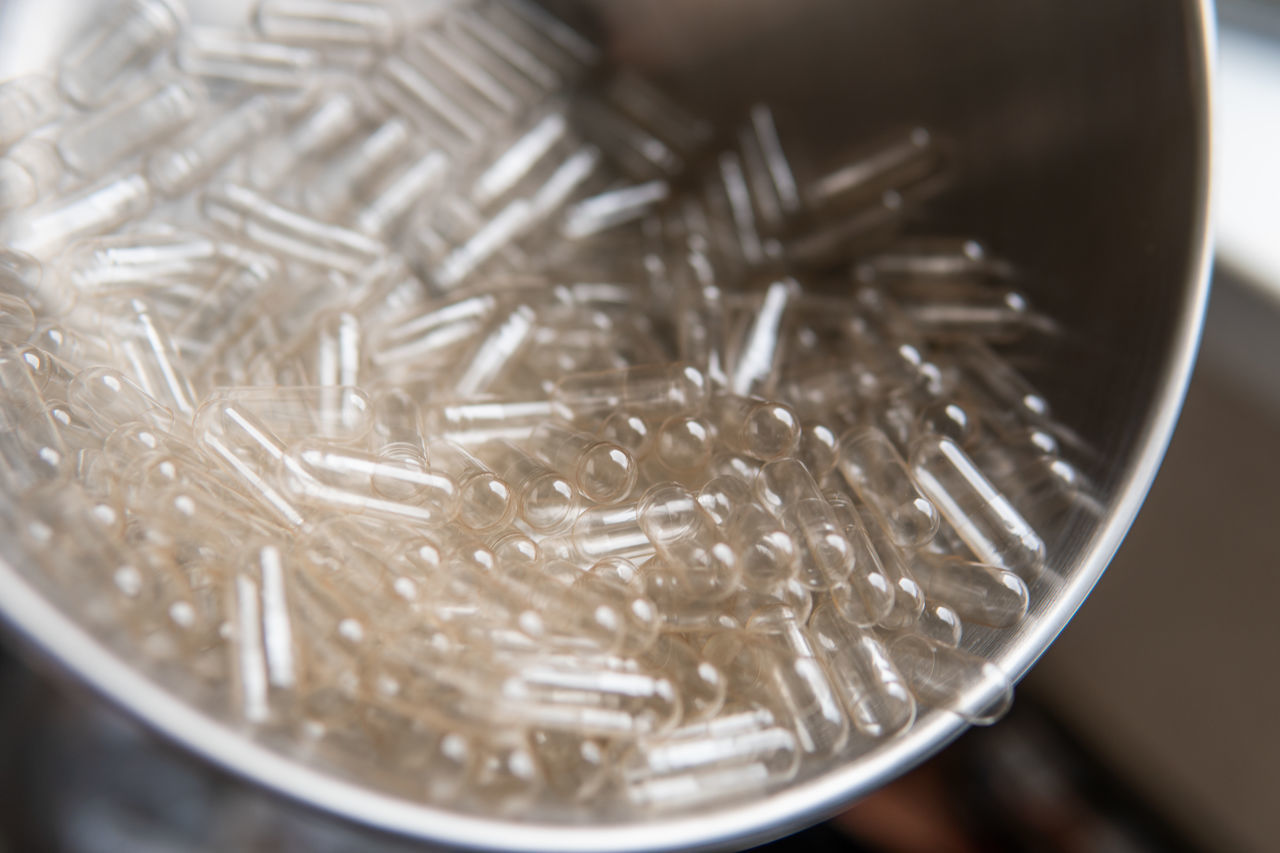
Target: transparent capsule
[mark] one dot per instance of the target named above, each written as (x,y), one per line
(329,23)
(104,138)
(657,390)
(289,233)
(610,532)
(575,768)
(493,354)
(101,207)
(894,164)
(134,262)
(980,515)
(871,687)
(250,451)
(765,550)
(939,624)
(824,555)
(867,595)
(781,672)
(324,126)
(29,171)
(341,414)
(156,362)
(96,68)
(983,595)
(756,368)
(504,777)
(683,448)
(762,429)
(485,501)
(701,687)
(908,597)
(476,72)
(685,536)
(342,478)
(401,191)
(629,430)
(180,166)
(602,470)
(17,320)
(343,180)
(613,208)
(107,399)
(474,424)
(26,103)
(741,753)
(545,500)
(872,467)
(407,89)
(249,684)
(588,697)
(933,258)
(436,331)
(952,679)
(226,56)
(1001,381)
(31,447)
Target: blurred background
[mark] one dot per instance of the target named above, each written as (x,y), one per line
(1149,725)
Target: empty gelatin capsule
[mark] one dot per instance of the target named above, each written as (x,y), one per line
(136,261)
(342,478)
(872,467)
(342,414)
(701,686)
(97,67)
(575,768)
(107,399)
(785,676)
(687,539)
(756,368)
(939,624)
(329,23)
(226,56)
(683,447)
(26,103)
(156,362)
(605,532)
(595,698)
(762,429)
(494,354)
(743,752)
(981,516)
(545,500)
(629,430)
(602,470)
(474,424)
(871,687)
(952,679)
(17,320)
(325,125)
(765,550)
(908,597)
(203,149)
(400,192)
(657,390)
(101,207)
(106,137)
(28,172)
(935,257)
(292,234)
(340,181)
(251,452)
(824,556)
(410,91)
(894,164)
(819,448)
(983,595)
(31,446)
(867,595)
(485,501)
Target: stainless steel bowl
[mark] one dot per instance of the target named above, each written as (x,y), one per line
(1081,134)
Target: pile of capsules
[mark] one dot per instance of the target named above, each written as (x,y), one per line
(429,399)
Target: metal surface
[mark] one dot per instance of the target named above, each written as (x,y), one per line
(1080,132)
